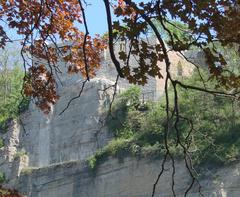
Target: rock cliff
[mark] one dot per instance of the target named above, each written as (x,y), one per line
(45,155)
(130,177)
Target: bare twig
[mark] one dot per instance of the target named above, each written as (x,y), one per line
(85,40)
(74,98)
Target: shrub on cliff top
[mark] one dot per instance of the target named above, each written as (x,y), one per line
(141,133)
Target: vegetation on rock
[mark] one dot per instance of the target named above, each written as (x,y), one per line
(1,143)
(5,192)
(139,127)
(2,177)
(19,154)
(11,81)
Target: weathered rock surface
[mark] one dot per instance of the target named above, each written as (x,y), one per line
(127,178)
(75,134)
(12,158)
(47,156)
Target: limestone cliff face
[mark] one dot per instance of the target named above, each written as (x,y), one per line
(46,156)
(127,178)
(12,160)
(75,134)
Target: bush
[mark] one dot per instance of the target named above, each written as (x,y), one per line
(24,104)
(3,126)
(2,177)
(125,102)
(92,161)
(20,153)
(215,139)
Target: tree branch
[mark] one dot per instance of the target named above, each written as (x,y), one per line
(110,35)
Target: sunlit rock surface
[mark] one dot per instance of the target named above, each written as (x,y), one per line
(124,178)
(73,135)
(46,156)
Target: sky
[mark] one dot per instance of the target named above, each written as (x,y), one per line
(96,18)
(95,15)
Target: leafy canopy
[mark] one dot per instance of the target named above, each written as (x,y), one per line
(43,23)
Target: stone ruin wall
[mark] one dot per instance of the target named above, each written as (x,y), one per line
(155,86)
